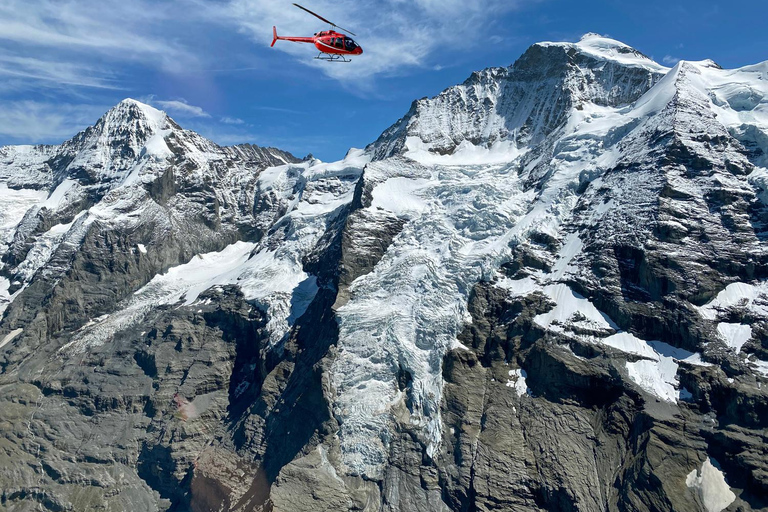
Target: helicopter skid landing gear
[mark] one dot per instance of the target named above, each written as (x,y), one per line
(332,57)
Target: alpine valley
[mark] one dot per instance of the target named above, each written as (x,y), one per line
(545,289)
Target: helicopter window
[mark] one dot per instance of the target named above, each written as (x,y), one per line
(338,42)
(351,45)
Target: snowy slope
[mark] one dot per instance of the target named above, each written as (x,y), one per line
(119,174)
(468,204)
(269,273)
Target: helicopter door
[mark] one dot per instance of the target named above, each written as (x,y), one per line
(338,43)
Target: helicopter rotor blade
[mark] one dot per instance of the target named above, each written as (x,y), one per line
(323,19)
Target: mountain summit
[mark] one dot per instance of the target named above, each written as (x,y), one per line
(524,103)
(542,289)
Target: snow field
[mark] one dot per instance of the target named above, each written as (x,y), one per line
(735,335)
(753,297)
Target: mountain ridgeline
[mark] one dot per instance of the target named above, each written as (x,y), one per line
(543,289)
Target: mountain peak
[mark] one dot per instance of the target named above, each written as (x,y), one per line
(603,47)
(130,110)
(524,103)
(109,149)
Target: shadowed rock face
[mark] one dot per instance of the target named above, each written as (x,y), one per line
(543,289)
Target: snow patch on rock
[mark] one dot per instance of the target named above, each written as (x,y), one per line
(572,308)
(655,373)
(752,297)
(655,377)
(517,382)
(735,335)
(10,337)
(760,367)
(710,485)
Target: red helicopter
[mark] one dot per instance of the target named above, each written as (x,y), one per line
(333,45)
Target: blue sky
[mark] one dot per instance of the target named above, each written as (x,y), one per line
(208,62)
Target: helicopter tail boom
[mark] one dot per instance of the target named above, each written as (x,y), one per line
(276,38)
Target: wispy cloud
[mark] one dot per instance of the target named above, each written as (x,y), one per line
(670,60)
(232,120)
(73,42)
(278,109)
(183,108)
(44,122)
(118,29)
(396,35)
(48,73)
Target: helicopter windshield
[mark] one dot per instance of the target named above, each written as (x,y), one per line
(349,44)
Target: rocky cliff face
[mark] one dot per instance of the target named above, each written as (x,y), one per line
(543,289)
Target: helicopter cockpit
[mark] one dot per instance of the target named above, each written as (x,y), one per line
(350,45)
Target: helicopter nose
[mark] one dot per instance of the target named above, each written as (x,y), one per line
(359,50)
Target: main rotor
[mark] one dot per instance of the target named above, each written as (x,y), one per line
(335,26)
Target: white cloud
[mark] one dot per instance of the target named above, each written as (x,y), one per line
(41,122)
(232,120)
(130,30)
(670,60)
(278,109)
(71,35)
(47,73)
(181,107)
(62,46)
(395,34)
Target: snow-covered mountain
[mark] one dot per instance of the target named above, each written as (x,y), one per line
(543,289)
